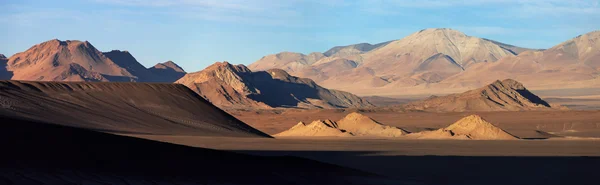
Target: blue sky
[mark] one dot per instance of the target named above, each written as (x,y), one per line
(197,33)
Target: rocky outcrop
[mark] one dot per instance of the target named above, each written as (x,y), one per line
(235,86)
(506,95)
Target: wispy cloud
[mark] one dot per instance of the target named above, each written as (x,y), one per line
(260,12)
(523,7)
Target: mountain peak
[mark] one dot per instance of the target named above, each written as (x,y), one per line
(2,56)
(447,32)
(217,66)
(508,84)
(169,65)
(167,71)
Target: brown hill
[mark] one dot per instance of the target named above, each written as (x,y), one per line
(120,108)
(506,95)
(168,71)
(57,60)
(354,124)
(73,60)
(235,86)
(44,153)
(470,127)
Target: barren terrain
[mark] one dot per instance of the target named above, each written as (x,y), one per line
(520,123)
(431,161)
(43,147)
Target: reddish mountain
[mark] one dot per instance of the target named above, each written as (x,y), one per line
(73,60)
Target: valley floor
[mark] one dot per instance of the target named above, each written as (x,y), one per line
(522,124)
(571,160)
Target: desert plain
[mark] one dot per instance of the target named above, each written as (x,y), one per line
(537,160)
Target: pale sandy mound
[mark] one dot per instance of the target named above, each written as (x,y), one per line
(470,127)
(361,125)
(354,124)
(316,128)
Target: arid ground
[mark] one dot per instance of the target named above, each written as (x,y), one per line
(570,160)
(520,123)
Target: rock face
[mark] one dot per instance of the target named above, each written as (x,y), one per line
(470,127)
(136,108)
(354,124)
(235,86)
(168,71)
(73,60)
(506,95)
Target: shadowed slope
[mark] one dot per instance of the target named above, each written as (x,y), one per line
(120,107)
(125,60)
(167,71)
(4,73)
(42,153)
(235,86)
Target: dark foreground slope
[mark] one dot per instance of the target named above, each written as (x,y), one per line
(42,153)
(120,107)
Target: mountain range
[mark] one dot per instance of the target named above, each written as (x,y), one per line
(442,61)
(430,61)
(73,60)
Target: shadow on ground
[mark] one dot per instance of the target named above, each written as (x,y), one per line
(40,153)
(461,169)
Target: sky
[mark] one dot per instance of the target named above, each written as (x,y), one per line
(197,33)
